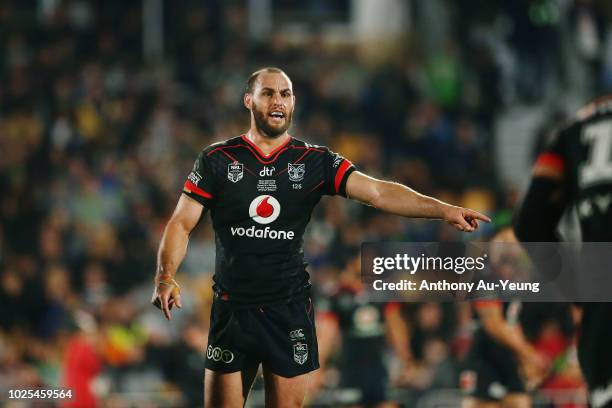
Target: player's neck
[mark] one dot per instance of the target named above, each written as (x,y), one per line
(265,143)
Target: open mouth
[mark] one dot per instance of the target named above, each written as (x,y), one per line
(276,116)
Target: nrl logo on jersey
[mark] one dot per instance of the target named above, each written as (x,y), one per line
(296,171)
(235,172)
(194,177)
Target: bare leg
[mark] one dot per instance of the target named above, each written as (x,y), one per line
(284,392)
(228,390)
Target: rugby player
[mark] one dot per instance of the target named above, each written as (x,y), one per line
(362,328)
(575,169)
(500,360)
(261,188)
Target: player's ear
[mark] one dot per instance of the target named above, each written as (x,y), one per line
(248,100)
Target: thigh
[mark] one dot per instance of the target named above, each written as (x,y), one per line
(227,390)
(284,392)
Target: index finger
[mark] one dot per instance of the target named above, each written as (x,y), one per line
(477,215)
(165,308)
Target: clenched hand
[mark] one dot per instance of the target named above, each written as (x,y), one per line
(166,294)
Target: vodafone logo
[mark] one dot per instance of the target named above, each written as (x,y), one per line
(264,209)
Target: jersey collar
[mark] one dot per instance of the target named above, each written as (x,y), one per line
(262,154)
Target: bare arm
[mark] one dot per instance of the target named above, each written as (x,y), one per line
(398,199)
(172,249)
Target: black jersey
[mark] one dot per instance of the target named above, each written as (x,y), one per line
(582,150)
(260,206)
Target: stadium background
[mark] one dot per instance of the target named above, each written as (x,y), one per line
(104,106)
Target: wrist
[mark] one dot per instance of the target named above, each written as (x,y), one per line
(163,277)
(446,211)
(171,283)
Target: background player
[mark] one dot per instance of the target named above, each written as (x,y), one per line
(261,188)
(362,330)
(500,357)
(575,168)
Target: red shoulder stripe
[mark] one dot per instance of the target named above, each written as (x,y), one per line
(551,160)
(193,188)
(340,173)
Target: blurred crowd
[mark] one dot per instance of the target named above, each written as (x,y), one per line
(96,141)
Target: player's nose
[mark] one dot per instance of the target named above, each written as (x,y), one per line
(277,100)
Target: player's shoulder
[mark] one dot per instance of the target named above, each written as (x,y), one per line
(220,145)
(303,144)
(571,128)
(568,128)
(596,109)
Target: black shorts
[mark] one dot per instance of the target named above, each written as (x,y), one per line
(491,371)
(282,337)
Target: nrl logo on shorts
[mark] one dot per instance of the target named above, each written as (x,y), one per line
(235,171)
(300,353)
(296,171)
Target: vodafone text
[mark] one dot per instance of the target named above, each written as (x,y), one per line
(266,232)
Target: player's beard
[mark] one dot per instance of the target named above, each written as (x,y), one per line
(263,127)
